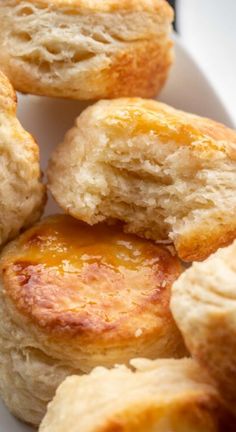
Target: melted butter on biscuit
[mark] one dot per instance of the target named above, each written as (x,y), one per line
(145,120)
(69,245)
(143,117)
(66,274)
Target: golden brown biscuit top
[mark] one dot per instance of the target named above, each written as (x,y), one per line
(135,116)
(66,276)
(92,6)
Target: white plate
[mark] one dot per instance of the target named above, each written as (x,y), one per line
(48,119)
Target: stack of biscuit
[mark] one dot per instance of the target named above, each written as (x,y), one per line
(102,327)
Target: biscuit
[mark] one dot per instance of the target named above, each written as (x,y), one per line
(74,297)
(204,306)
(160,396)
(22,196)
(167,174)
(86,49)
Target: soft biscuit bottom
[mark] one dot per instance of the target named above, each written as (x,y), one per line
(74,297)
(159,396)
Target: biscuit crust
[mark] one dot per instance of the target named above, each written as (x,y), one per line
(79,278)
(74,297)
(22,195)
(93,6)
(204,306)
(164,395)
(86,49)
(166,173)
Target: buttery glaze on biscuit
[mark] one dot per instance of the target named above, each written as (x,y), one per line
(86,49)
(22,195)
(167,174)
(74,297)
(160,396)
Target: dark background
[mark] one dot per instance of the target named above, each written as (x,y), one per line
(173,4)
